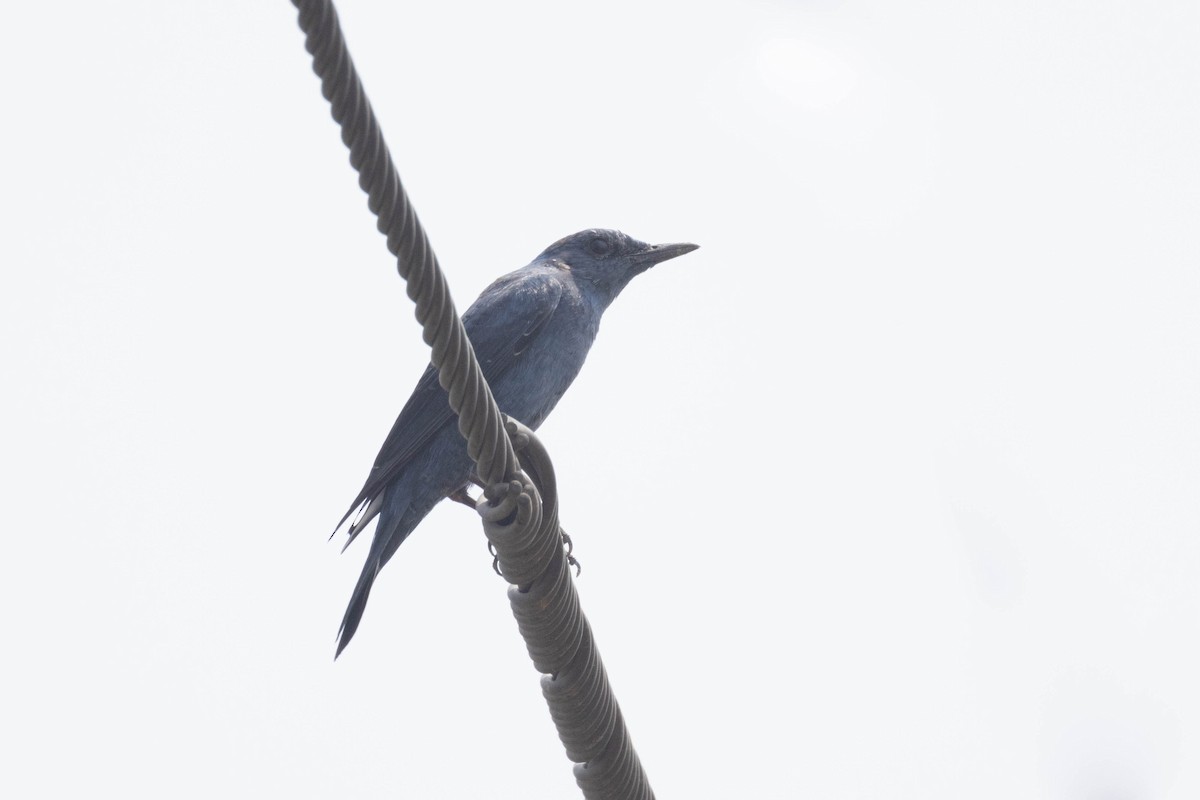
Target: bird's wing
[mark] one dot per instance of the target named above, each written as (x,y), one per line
(500,324)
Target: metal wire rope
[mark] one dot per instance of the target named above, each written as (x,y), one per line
(519,511)
(556,632)
(479,419)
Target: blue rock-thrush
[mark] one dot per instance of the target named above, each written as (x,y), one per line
(531,331)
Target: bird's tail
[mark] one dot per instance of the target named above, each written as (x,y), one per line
(396,522)
(358,604)
(365,509)
(369,512)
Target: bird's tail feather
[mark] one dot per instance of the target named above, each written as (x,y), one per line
(391,531)
(363,509)
(358,604)
(369,512)
(388,536)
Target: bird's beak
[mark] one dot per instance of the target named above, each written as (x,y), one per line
(657,253)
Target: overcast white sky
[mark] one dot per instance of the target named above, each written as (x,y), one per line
(888,491)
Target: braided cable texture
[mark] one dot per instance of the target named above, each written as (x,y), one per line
(479,419)
(521,522)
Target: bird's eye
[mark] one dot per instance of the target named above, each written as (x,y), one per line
(599,247)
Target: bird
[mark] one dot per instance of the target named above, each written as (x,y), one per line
(531,331)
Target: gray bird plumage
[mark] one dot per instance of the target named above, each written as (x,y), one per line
(531,331)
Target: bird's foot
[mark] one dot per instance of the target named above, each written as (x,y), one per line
(570,547)
(495,559)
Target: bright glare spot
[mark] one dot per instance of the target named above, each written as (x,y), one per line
(808,75)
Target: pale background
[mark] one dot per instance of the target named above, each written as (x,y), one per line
(889,491)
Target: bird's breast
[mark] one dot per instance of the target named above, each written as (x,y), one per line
(532,387)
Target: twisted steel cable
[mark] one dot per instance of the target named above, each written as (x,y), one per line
(520,511)
(471,398)
(519,519)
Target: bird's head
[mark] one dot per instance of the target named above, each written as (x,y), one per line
(607,260)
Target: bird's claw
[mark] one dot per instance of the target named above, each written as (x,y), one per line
(567,544)
(570,548)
